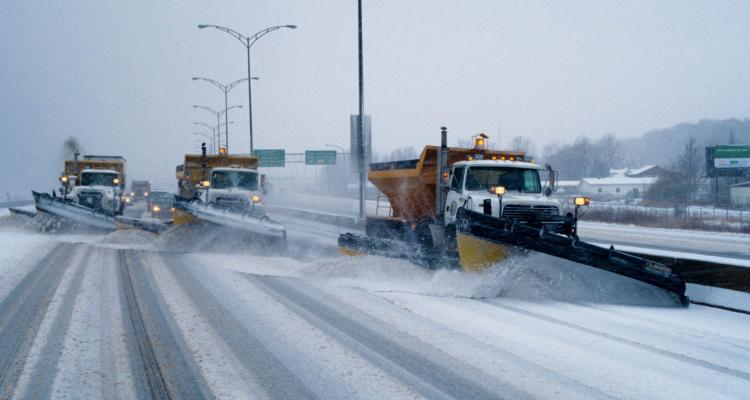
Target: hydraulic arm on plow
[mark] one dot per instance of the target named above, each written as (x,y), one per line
(471,208)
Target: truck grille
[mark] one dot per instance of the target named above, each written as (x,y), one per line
(230,202)
(90,199)
(524,212)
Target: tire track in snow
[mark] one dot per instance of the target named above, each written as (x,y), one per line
(272,375)
(45,371)
(166,371)
(681,357)
(22,312)
(405,361)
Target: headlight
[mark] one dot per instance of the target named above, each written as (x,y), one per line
(255,198)
(156,208)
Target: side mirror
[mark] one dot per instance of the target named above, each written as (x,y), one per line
(551,180)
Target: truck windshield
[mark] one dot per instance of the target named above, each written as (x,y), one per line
(161,197)
(234,179)
(514,179)
(98,179)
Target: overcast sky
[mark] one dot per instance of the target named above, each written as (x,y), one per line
(116,74)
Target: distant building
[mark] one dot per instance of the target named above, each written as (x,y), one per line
(649,171)
(739,194)
(615,188)
(567,187)
(624,183)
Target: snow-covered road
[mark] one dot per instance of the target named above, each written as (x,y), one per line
(133,315)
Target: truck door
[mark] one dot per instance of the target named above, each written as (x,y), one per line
(455,194)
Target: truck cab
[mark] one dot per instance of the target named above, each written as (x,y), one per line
(234,188)
(99,189)
(500,188)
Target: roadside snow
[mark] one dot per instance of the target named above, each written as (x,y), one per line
(724,297)
(19,251)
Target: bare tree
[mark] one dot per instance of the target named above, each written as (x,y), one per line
(689,166)
(611,150)
(523,143)
(404,153)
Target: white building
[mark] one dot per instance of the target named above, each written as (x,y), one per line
(615,187)
(739,194)
(567,187)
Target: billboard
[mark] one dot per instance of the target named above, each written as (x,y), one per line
(728,160)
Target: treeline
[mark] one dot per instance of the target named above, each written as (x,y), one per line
(585,157)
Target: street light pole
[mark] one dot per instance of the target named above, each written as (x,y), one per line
(361,127)
(210,138)
(217,114)
(215,131)
(225,89)
(248,42)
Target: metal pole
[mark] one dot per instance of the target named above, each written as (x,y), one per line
(226,120)
(361,129)
(217,143)
(249,96)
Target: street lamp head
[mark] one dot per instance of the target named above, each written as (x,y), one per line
(291,26)
(195,78)
(255,78)
(201,26)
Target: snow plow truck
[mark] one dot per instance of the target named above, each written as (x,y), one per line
(226,190)
(470,208)
(90,192)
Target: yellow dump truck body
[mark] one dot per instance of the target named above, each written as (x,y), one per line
(410,185)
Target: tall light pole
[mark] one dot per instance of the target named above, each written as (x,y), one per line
(225,89)
(217,114)
(210,139)
(248,42)
(216,130)
(361,127)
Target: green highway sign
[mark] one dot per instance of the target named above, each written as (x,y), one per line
(320,157)
(271,157)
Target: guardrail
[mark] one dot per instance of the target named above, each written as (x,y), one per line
(690,217)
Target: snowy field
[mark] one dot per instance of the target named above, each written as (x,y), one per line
(207,314)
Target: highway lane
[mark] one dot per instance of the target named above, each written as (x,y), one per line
(93,320)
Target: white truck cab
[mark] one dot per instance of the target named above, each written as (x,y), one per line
(236,188)
(523,196)
(98,189)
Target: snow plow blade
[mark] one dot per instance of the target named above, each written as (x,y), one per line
(544,239)
(146,225)
(20,211)
(255,222)
(72,211)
